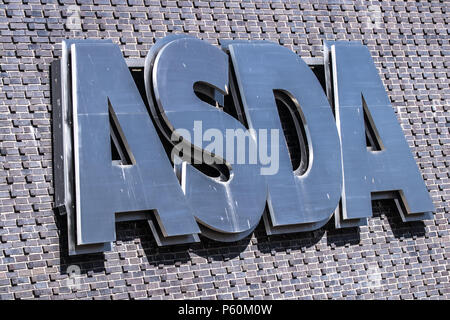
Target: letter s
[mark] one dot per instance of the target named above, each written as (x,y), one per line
(227,208)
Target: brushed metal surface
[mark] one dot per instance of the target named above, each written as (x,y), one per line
(103,87)
(68,160)
(358,90)
(98,102)
(227,209)
(306,200)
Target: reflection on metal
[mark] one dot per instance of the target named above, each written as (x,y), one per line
(112,149)
(294,132)
(227,210)
(101,85)
(67,170)
(300,201)
(359,93)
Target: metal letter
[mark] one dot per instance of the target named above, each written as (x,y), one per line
(296,202)
(358,91)
(227,209)
(103,89)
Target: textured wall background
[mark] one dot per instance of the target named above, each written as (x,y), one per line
(385,259)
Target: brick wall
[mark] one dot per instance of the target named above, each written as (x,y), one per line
(385,259)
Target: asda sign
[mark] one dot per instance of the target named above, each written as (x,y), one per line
(209,140)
